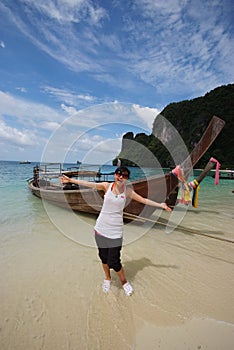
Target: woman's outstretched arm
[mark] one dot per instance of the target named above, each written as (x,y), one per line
(97,185)
(133,195)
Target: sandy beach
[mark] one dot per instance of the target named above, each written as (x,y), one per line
(51,296)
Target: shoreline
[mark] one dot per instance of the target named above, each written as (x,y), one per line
(52,298)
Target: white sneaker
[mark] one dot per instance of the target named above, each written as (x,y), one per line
(106,286)
(128,289)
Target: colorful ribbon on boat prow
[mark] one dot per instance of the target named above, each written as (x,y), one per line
(195,186)
(178,172)
(195,183)
(216,170)
(185,188)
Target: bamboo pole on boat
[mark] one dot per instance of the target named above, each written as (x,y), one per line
(212,131)
(210,165)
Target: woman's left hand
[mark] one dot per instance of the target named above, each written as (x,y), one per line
(165,207)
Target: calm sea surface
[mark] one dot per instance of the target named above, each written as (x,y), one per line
(20,210)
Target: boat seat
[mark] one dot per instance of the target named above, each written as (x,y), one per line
(70,186)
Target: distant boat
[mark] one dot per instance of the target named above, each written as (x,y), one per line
(25,162)
(159,188)
(226,175)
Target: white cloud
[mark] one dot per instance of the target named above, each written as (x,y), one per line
(28,113)
(114,112)
(41,23)
(90,130)
(68,97)
(150,8)
(190,42)
(67,11)
(90,149)
(17,137)
(50,126)
(156,42)
(70,110)
(146,114)
(24,124)
(21,89)
(2,45)
(103,152)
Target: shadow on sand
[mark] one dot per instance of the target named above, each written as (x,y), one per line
(134,266)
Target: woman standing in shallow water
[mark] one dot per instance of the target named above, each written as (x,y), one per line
(109,224)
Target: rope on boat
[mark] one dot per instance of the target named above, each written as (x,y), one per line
(181,228)
(142,219)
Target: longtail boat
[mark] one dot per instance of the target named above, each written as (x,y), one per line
(160,188)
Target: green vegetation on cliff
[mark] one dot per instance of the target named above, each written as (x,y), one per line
(190,118)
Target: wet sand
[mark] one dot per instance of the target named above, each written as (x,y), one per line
(51,296)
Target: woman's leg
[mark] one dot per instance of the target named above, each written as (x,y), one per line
(114,261)
(121,275)
(107,271)
(103,253)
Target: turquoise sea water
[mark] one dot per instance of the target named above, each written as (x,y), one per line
(19,209)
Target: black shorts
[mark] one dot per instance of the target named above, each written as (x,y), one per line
(109,251)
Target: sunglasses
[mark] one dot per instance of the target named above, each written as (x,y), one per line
(124,175)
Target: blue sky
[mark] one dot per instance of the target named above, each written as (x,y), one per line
(91,70)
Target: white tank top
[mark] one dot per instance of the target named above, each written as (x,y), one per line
(110,220)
